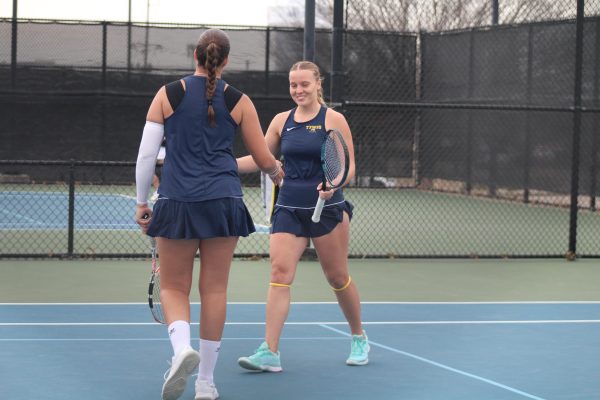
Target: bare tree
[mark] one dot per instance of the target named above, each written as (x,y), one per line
(441,15)
(432,15)
(286,43)
(414,15)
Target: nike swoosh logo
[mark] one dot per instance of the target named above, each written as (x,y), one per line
(291,128)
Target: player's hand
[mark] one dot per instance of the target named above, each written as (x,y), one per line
(278,174)
(325,194)
(143,215)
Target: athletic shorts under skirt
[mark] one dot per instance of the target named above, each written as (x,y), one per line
(298,220)
(224,217)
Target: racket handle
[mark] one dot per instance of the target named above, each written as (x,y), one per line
(152,241)
(316,217)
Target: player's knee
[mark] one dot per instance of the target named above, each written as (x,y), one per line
(338,280)
(281,274)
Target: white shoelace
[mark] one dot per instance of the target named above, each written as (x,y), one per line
(166,374)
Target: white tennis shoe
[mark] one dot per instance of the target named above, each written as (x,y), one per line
(182,366)
(206,391)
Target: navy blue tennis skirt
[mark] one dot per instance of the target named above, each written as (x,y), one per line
(298,220)
(224,217)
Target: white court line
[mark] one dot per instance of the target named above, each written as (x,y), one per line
(127,197)
(475,322)
(443,366)
(165,339)
(25,217)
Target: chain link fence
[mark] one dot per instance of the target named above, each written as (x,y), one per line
(476,125)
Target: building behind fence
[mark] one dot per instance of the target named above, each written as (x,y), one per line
(459,127)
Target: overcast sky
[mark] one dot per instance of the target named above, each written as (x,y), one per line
(217,12)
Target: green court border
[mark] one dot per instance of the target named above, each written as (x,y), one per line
(378,280)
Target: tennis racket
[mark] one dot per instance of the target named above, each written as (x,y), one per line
(154,287)
(335,161)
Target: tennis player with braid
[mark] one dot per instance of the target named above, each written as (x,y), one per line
(298,135)
(200,205)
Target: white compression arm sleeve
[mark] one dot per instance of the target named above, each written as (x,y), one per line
(146,160)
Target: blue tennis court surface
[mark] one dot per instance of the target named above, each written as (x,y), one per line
(18,211)
(429,351)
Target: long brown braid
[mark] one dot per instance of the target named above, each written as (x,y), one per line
(212,49)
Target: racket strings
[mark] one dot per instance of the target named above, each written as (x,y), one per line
(156,304)
(154,288)
(334,160)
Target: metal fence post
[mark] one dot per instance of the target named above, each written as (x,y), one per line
(267,58)
(527,150)
(495,12)
(71,212)
(129,43)
(572,252)
(419,81)
(595,139)
(309,30)
(13,47)
(469,144)
(337,52)
(104,53)
(494,145)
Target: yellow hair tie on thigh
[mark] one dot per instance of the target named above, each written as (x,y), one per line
(279,284)
(345,286)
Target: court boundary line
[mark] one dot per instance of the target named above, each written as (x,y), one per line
(443,366)
(165,339)
(308,323)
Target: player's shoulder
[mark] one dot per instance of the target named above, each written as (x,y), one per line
(167,90)
(233,96)
(331,113)
(278,121)
(242,97)
(174,92)
(282,115)
(333,118)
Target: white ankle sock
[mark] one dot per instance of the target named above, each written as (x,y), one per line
(179,334)
(209,353)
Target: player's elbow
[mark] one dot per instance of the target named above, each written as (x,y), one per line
(145,157)
(350,177)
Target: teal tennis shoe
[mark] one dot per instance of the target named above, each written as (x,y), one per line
(262,360)
(359,350)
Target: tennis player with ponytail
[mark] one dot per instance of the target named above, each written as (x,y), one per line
(200,205)
(298,135)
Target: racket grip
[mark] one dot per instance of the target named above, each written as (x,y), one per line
(316,217)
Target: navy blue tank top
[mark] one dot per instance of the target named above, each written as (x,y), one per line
(301,150)
(200,164)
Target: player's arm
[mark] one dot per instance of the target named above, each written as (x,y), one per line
(336,120)
(152,136)
(247,164)
(255,142)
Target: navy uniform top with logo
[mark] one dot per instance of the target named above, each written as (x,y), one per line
(200,195)
(301,150)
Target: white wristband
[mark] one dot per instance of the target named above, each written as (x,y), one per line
(272,174)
